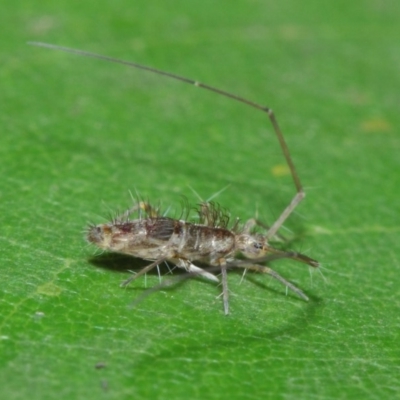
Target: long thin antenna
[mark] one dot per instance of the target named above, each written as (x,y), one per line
(299,190)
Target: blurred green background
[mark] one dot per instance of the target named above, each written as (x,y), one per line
(79,134)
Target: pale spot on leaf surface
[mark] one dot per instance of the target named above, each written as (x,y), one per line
(280,170)
(49,289)
(376,125)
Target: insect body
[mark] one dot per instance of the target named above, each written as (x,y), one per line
(210,241)
(160,238)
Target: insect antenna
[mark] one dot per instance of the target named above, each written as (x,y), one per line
(211,215)
(298,197)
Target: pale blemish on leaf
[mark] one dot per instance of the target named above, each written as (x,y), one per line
(279,170)
(49,289)
(376,125)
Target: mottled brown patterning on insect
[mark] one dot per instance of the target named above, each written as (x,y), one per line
(154,238)
(163,237)
(210,241)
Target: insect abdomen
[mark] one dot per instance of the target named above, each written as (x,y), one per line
(200,241)
(190,241)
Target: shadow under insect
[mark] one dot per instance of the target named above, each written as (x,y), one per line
(170,276)
(124,263)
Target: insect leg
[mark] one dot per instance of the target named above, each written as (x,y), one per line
(281,254)
(274,274)
(142,271)
(191,268)
(225,290)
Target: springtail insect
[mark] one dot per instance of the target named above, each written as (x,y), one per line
(210,242)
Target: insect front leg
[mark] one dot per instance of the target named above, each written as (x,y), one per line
(271,250)
(274,274)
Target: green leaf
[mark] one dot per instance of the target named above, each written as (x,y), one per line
(79,134)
